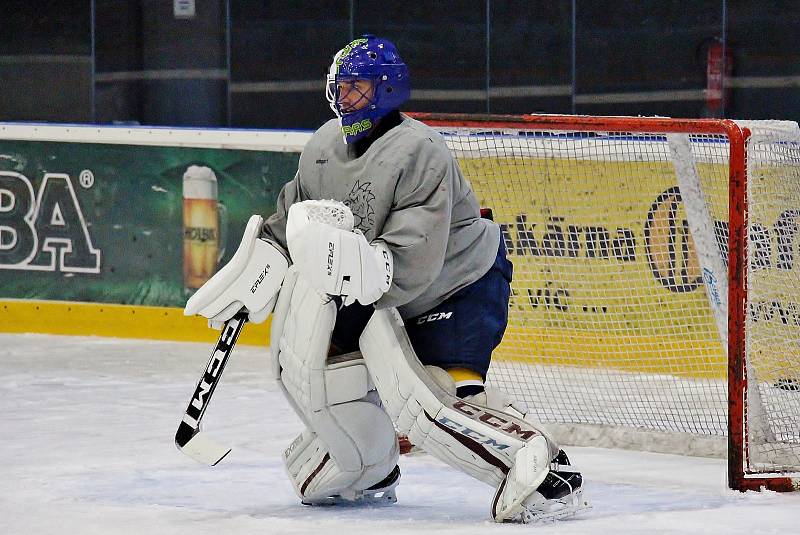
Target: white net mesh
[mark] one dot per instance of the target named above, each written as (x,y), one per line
(773,319)
(610,322)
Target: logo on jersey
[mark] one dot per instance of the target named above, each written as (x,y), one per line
(359,200)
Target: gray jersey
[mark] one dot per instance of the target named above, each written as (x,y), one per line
(407,191)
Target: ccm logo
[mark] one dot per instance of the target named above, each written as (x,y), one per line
(259,280)
(498,422)
(436,316)
(387,266)
(468,432)
(331,249)
(204,387)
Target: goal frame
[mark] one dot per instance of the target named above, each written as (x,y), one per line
(738,476)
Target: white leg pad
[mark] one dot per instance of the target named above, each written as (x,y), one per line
(497,448)
(317,476)
(350,444)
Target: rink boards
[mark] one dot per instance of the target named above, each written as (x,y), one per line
(122,187)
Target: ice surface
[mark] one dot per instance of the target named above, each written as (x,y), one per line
(87,448)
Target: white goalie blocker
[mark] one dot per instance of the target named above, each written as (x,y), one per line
(250,280)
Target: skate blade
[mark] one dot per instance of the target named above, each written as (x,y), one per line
(373,498)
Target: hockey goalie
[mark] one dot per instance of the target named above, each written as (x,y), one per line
(386,319)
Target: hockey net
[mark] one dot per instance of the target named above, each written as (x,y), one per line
(623,311)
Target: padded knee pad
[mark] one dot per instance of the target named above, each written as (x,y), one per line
(350,444)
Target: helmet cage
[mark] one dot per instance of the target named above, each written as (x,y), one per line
(333,94)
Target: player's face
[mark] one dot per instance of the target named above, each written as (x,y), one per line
(354,94)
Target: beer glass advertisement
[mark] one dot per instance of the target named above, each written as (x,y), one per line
(141,225)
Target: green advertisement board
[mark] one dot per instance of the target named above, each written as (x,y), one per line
(126,224)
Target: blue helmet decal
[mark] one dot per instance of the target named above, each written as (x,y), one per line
(377,62)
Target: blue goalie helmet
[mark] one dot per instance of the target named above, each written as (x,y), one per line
(367,80)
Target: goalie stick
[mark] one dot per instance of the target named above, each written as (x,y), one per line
(189,439)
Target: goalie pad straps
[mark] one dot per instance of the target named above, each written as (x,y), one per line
(251,280)
(350,443)
(494,447)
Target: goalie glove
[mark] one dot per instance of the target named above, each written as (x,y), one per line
(333,257)
(250,281)
(375,267)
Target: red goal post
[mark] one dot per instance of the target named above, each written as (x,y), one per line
(632,255)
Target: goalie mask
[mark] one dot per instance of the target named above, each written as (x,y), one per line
(377,62)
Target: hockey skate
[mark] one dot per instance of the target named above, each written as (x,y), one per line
(560,495)
(381,493)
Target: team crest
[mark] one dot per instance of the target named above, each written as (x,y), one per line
(359,200)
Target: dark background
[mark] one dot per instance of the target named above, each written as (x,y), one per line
(261,64)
